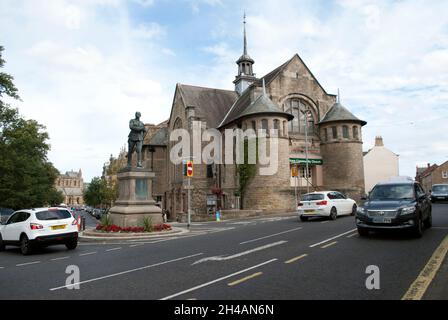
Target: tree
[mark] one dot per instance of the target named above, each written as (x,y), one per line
(26,176)
(100,193)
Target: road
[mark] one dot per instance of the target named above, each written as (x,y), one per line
(262,258)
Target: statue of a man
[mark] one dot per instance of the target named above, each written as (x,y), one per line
(135,140)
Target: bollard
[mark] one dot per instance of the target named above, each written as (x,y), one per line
(83,223)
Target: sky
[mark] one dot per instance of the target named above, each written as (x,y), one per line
(84,67)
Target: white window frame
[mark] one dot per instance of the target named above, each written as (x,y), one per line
(445,174)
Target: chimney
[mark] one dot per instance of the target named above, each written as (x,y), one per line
(379,141)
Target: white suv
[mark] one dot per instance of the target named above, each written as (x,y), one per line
(39,227)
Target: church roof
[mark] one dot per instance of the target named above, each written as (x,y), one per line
(160,138)
(339,113)
(210,104)
(245,107)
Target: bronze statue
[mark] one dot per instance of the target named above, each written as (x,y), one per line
(135,141)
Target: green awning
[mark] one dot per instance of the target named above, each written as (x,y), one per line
(303,161)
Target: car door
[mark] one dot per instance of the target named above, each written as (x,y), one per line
(335,201)
(14,226)
(422,200)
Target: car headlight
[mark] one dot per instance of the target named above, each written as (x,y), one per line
(407,210)
(362,210)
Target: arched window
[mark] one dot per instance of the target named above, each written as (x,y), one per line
(264,124)
(325,135)
(334,131)
(345,132)
(355,132)
(303,117)
(277,124)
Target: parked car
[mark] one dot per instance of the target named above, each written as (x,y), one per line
(5,213)
(395,206)
(97,213)
(439,192)
(39,227)
(330,204)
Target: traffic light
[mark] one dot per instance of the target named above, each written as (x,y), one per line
(189,169)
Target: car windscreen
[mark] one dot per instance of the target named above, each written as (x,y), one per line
(392,192)
(53,215)
(440,188)
(312,197)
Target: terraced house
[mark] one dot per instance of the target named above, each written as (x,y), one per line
(313,127)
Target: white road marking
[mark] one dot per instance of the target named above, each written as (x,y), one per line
(136,245)
(61,258)
(27,263)
(332,238)
(2,267)
(216,280)
(113,249)
(326,221)
(352,235)
(128,271)
(221,258)
(87,254)
(272,235)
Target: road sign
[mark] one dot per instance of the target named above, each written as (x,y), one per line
(189,168)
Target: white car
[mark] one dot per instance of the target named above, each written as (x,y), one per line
(39,227)
(325,204)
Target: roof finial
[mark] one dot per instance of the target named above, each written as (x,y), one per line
(264,88)
(339,97)
(245,41)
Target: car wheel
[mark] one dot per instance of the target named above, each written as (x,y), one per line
(418,229)
(363,232)
(354,208)
(2,245)
(71,245)
(302,218)
(333,213)
(25,245)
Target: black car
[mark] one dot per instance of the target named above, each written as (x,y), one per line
(395,206)
(439,192)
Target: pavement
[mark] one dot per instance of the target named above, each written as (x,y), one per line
(274,258)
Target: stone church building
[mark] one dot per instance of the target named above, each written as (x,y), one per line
(312,127)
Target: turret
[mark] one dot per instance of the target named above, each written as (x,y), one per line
(341,149)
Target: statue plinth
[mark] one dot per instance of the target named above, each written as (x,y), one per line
(135,201)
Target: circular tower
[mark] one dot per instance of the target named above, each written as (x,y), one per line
(341,149)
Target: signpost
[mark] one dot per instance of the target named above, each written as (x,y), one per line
(295,174)
(189,173)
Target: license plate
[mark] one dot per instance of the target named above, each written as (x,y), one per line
(58,227)
(382,220)
(309,211)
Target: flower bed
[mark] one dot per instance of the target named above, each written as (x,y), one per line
(115,228)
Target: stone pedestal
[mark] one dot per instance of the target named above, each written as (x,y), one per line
(135,200)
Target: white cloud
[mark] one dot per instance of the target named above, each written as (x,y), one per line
(149,31)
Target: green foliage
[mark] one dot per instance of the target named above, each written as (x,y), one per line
(100,193)
(147,224)
(106,220)
(246,171)
(26,176)
(6,81)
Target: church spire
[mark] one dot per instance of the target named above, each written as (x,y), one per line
(245,75)
(245,40)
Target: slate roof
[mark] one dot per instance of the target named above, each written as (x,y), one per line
(160,138)
(244,107)
(339,113)
(210,104)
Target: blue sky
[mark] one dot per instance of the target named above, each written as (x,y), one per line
(83,67)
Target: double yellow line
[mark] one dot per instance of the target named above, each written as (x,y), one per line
(421,284)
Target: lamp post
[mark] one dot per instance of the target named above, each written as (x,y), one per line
(306,150)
